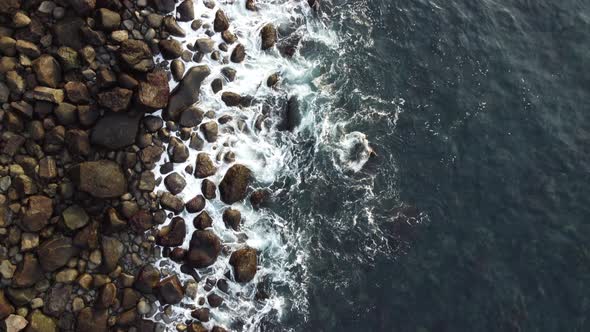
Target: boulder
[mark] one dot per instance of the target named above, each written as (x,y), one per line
(38,322)
(116,100)
(202,314)
(204,166)
(205,45)
(231,98)
(137,55)
(196,204)
(177,151)
(232,218)
(171,203)
(172,235)
(101,179)
(191,117)
(173,27)
(116,130)
(175,183)
(147,279)
(47,70)
(204,248)
(203,221)
(235,183)
(244,262)
(238,54)
(170,290)
(39,210)
(221,22)
(170,48)
(186,11)
(112,251)
(154,93)
(187,91)
(268,34)
(210,129)
(55,253)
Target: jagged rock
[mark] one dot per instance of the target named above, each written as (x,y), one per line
(116,130)
(15,323)
(101,179)
(204,166)
(47,70)
(201,314)
(177,151)
(175,183)
(186,11)
(235,183)
(116,100)
(27,48)
(57,299)
(269,36)
(187,91)
(37,214)
(136,55)
(93,37)
(68,57)
(238,54)
(77,142)
(232,218)
(154,93)
(172,235)
(204,248)
(221,23)
(150,155)
(228,37)
(170,290)
(196,204)
(112,251)
(203,221)
(55,253)
(244,262)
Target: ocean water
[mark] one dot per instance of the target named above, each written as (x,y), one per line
(437,180)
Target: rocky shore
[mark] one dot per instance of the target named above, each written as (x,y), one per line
(80,223)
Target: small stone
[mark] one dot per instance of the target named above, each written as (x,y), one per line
(115,131)
(191,117)
(186,93)
(108,19)
(66,276)
(204,248)
(154,93)
(269,36)
(136,55)
(28,272)
(173,27)
(68,57)
(47,71)
(147,279)
(29,241)
(201,314)
(15,323)
(172,235)
(28,49)
(112,251)
(38,322)
(46,7)
(177,151)
(77,92)
(204,45)
(37,214)
(42,93)
(231,98)
(210,130)
(57,299)
(75,217)
(170,48)
(7,269)
(229,37)
(47,168)
(107,296)
(20,20)
(177,69)
(214,300)
(203,221)
(186,11)
(208,189)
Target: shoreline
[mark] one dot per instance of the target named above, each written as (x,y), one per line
(81,141)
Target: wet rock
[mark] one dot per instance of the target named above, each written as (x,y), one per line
(112,251)
(259,198)
(177,69)
(77,142)
(204,45)
(170,290)
(164,6)
(47,70)
(6,308)
(150,155)
(269,36)
(77,92)
(141,221)
(172,235)
(204,248)
(75,217)
(147,279)
(107,296)
(171,203)
(28,272)
(210,130)
(92,320)
(107,19)
(101,179)
(186,93)
(57,299)
(208,189)
(231,98)
(203,221)
(229,73)
(186,11)
(115,130)
(272,80)
(177,151)
(196,204)
(232,218)
(39,210)
(235,183)
(170,48)
(116,100)
(55,253)
(238,54)
(175,183)
(214,300)
(221,22)
(196,327)
(152,123)
(204,166)
(38,322)
(173,27)
(201,314)
(217,85)
(244,262)
(251,5)
(136,55)
(66,32)
(228,37)
(191,117)
(154,93)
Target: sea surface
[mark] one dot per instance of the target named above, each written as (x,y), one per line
(439,176)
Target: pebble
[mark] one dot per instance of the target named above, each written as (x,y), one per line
(47,7)
(143,307)
(7,269)
(37,303)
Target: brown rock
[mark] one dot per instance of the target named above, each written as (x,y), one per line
(116,100)
(170,48)
(208,189)
(83,7)
(116,130)
(201,314)
(171,203)
(221,23)
(235,183)
(57,299)
(112,251)
(173,234)
(37,214)
(244,262)
(238,54)
(269,36)
(187,91)
(231,98)
(42,93)
(232,218)
(47,71)
(28,273)
(210,129)
(107,19)
(204,248)
(175,183)
(77,92)
(196,204)
(177,151)
(101,179)
(55,253)
(214,300)
(38,322)
(147,279)
(191,117)
(107,296)
(6,308)
(203,221)
(204,166)
(170,290)
(196,327)
(186,11)
(136,55)
(154,93)
(92,320)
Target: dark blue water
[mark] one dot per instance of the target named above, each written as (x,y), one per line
(489,157)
